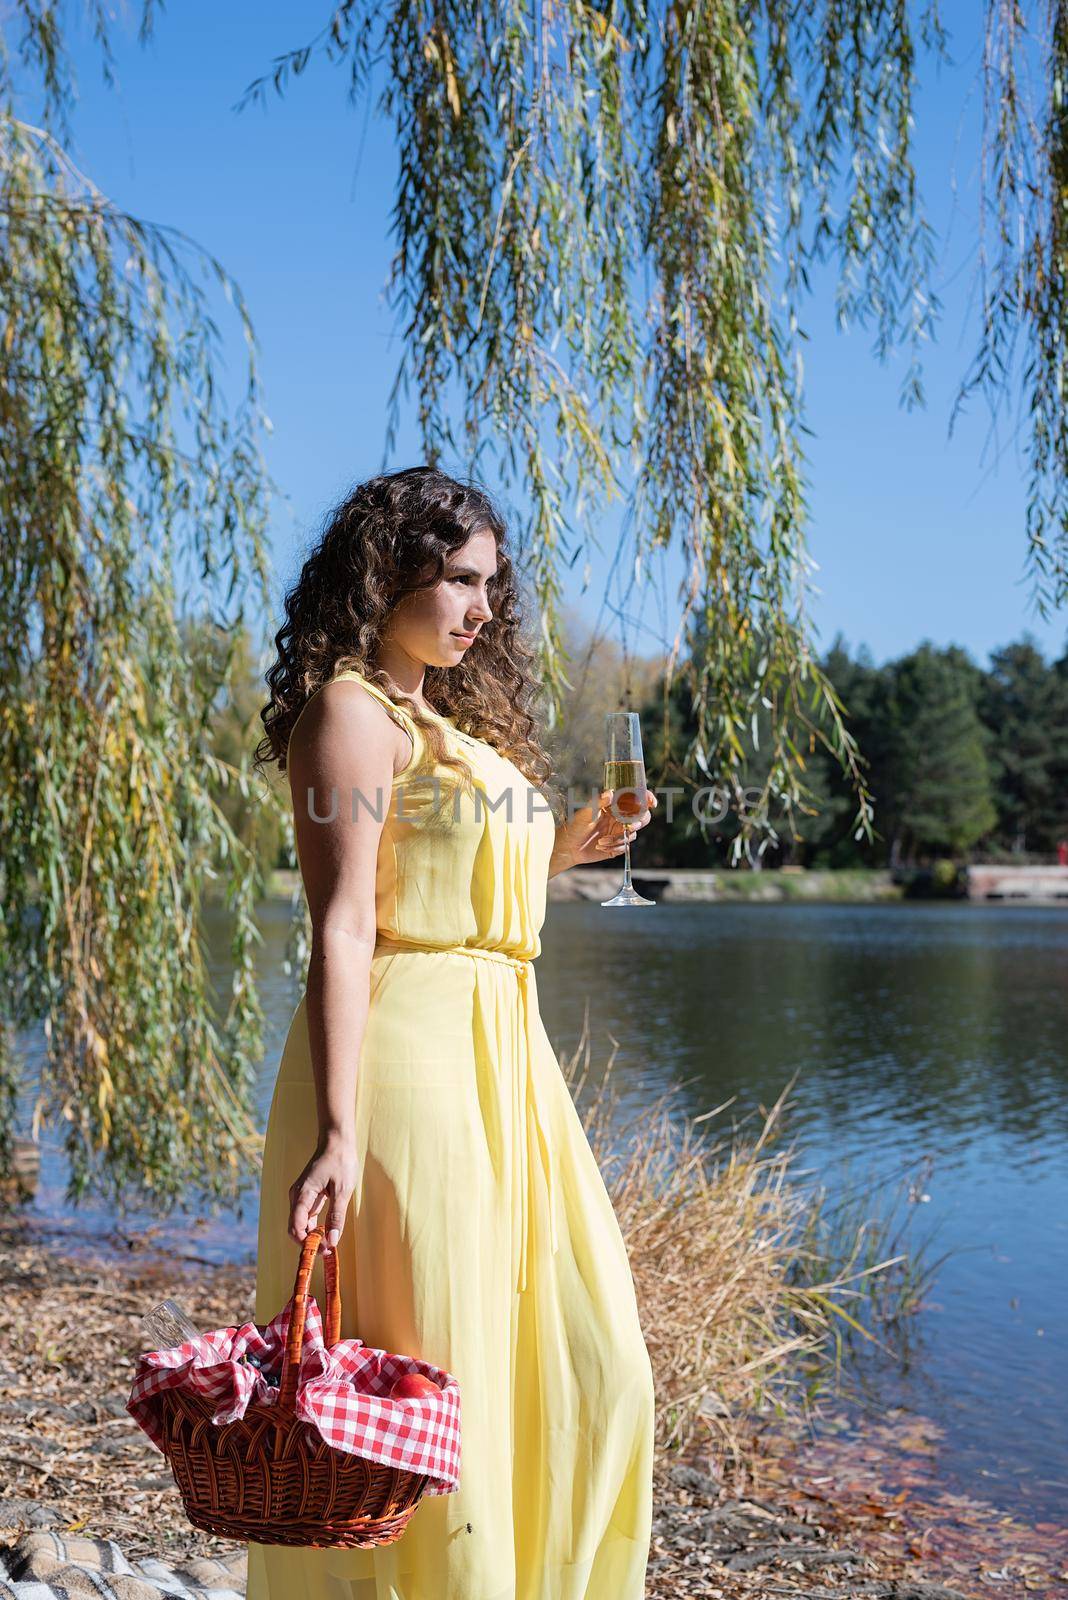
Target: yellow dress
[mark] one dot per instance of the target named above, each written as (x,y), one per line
(481,1236)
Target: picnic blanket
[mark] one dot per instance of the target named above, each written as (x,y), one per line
(45,1565)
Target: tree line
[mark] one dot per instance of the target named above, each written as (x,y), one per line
(963,761)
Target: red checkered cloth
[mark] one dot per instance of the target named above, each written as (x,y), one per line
(342,1392)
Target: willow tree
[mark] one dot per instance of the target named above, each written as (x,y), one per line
(605,220)
(131,492)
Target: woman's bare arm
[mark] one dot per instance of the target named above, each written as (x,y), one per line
(342,759)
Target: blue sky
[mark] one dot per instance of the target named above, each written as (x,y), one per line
(916,537)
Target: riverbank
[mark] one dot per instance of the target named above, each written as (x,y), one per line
(75,1464)
(750,1286)
(744,1279)
(693,885)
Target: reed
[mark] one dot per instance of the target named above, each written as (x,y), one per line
(753,1285)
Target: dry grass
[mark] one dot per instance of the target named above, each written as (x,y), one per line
(745,1277)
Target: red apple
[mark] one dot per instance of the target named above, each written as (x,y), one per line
(413,1386)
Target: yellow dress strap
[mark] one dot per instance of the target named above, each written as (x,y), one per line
(402,717)
(400,714)
(372,688)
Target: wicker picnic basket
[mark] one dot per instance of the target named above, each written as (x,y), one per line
(268,1476)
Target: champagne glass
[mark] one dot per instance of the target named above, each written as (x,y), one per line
(624,774)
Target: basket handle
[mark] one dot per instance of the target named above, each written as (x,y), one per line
(313,1239)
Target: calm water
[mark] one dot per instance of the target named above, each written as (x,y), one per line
(916,1031)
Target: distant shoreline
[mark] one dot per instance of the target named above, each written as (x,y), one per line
(778,886)
(694,884)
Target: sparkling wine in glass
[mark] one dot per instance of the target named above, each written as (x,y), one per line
(624,774)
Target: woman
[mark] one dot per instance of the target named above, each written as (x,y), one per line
(418,1099)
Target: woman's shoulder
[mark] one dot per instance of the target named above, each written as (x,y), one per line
(397,713)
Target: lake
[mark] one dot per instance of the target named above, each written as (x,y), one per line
(932,1031)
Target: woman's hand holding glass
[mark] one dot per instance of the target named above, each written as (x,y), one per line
(597,835)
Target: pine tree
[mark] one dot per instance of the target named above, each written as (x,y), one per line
(1019,705)
(941,799)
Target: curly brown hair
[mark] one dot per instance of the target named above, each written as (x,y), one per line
(387,539)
